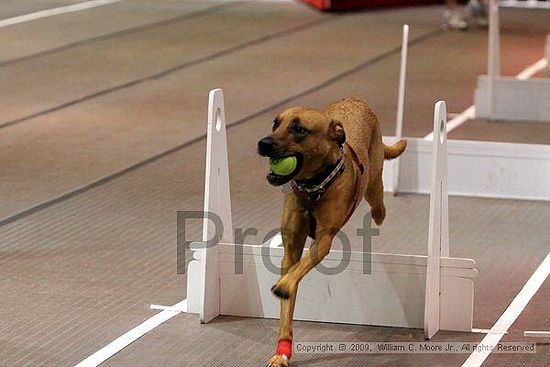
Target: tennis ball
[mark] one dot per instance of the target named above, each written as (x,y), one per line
(283,166)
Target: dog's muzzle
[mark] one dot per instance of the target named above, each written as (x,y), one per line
(266,147)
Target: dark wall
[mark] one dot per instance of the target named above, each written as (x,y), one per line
(342,5)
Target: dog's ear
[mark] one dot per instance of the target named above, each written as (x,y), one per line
(336,132)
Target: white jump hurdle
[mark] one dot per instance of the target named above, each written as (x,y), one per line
(431,291)
(525,4)
(477,168)
(507,98)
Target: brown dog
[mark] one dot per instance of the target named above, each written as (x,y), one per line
(340,157)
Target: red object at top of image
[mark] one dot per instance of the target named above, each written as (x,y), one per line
(340,5)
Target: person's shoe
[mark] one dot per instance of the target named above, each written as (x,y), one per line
(478,12)
(454,19)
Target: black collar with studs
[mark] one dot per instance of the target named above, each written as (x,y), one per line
(316,186)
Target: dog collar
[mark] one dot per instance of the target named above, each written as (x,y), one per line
(313,190)
(312,194)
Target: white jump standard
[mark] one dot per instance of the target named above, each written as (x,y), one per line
(415,291)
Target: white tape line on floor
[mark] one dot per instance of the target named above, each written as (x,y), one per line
(537,334)
(131,336)
(533,69)
(510,315)
(55,11)
(168,308)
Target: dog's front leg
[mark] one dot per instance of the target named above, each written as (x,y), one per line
(329,217)
(294,231)
(287,285)
(287,288)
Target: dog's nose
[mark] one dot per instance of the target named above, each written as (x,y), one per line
(266,146)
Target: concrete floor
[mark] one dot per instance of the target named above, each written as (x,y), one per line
(102,141)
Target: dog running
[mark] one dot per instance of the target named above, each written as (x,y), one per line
(339,157)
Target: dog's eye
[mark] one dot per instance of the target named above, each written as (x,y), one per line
(275,125)
(297,129)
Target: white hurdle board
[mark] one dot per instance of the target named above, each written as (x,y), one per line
(476,168)
(501,98)
(392,294)
(513,99)
(525,4)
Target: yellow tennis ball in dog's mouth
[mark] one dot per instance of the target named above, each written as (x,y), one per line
(283,166)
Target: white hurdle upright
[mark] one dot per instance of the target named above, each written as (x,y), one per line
(400,103)
(511,98)
(438,230)
(414,291)
(216,200)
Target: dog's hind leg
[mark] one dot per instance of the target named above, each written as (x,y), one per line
(375,188)
(375,197)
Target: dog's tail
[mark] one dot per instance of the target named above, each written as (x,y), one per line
(394,151)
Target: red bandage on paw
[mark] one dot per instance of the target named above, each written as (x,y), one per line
(284,348)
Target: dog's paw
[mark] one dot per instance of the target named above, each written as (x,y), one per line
(278,360)
(280,291)
(283,289)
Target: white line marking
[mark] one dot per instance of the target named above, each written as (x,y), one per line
(511,314)
(131,336)
(537,334)
(470,112)
(168,308)
(488,331)
(533,69)
(55,11)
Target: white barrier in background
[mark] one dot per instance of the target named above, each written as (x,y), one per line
(477,168)
(506,98)
(525,4)
(416,291)
(513,99)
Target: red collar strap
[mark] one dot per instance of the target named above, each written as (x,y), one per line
(356,158)
(312,195)
(358,184)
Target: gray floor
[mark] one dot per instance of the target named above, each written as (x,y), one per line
(102,141)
